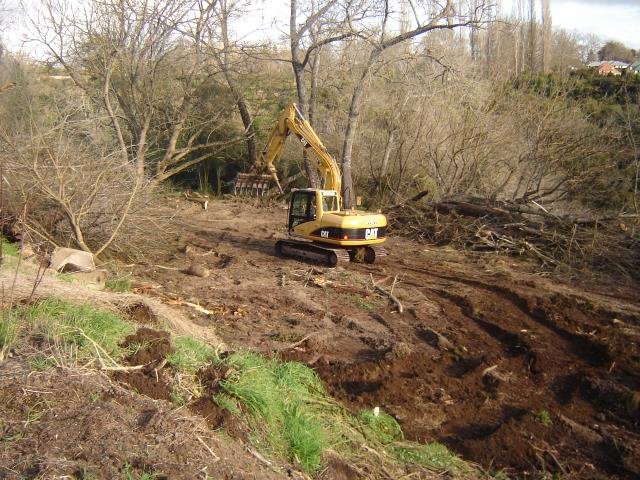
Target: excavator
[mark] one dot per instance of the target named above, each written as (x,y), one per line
(319,229)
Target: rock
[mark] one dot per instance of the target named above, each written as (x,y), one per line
(198,271)
(71,260)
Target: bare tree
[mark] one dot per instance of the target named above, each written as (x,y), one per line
(547,36)
(312,25)
(226,54)
(70,185)
(428,17)
(144,63)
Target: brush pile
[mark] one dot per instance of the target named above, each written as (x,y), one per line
(610,244)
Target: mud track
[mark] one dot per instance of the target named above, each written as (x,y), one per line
(511,369)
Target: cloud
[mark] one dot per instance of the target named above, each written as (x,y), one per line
(607,3)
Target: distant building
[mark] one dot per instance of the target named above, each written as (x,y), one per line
(609,67)
(635,67)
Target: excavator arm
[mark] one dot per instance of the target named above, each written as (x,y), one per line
(291,120)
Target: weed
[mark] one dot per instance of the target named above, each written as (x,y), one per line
(12,438)
(190,354)
(58,319)
(66,277)
(94,397)
(129,475)
(35,412)
(385,428)
(433,455)
(361,303)
(119,284)
(40,362)
(227,402)
(501,475)
(178,399)
(9,249)
(8,330)
(543,417)
(280,395)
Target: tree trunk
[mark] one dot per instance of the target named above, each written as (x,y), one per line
(303,102)
(348,193)
(245,114)
(236,90)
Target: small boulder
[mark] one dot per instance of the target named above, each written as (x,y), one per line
(198,271)
(71,260)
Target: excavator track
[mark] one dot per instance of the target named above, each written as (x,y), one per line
(366,254)
(329,256)
(311,251)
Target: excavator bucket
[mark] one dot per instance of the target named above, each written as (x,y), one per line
(252,184)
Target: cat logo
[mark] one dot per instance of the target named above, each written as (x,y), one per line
(324,233)
(371,234)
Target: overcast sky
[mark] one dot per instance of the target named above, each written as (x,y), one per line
(608,19)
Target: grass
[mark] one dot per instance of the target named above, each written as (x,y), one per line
(434,456)
(190,354)
(8,248)
(361,303)
(8,330)
(385,428)
(40,362)
(293,417)
(119,284)
(543,417)
(280,396)
(60,320)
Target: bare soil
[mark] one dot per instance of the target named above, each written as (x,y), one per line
(511,368)
(74,423)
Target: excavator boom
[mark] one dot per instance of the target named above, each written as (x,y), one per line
(290,120)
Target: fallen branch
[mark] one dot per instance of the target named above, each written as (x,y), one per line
(388,294)
(216,457)
(296,344)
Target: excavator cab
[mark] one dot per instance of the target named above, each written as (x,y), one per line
(302,208)
(307,205)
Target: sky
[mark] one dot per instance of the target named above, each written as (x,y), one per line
(608,19)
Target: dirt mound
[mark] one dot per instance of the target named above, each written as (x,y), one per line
(150,348)
(76,424)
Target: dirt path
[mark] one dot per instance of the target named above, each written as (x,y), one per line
(562,389)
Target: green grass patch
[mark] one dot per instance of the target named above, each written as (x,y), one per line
(40,362)
(292,416)
(543,417)
(385,428)
(279,396)
(190,354)
(119,284)
(434,456)
(8,329)
(361,303)
(9,249)
(60,320)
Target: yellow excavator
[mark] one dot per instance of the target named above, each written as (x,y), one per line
(319,230)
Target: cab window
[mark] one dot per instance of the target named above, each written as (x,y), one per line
(299,205)
(303,208)
(329,203)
